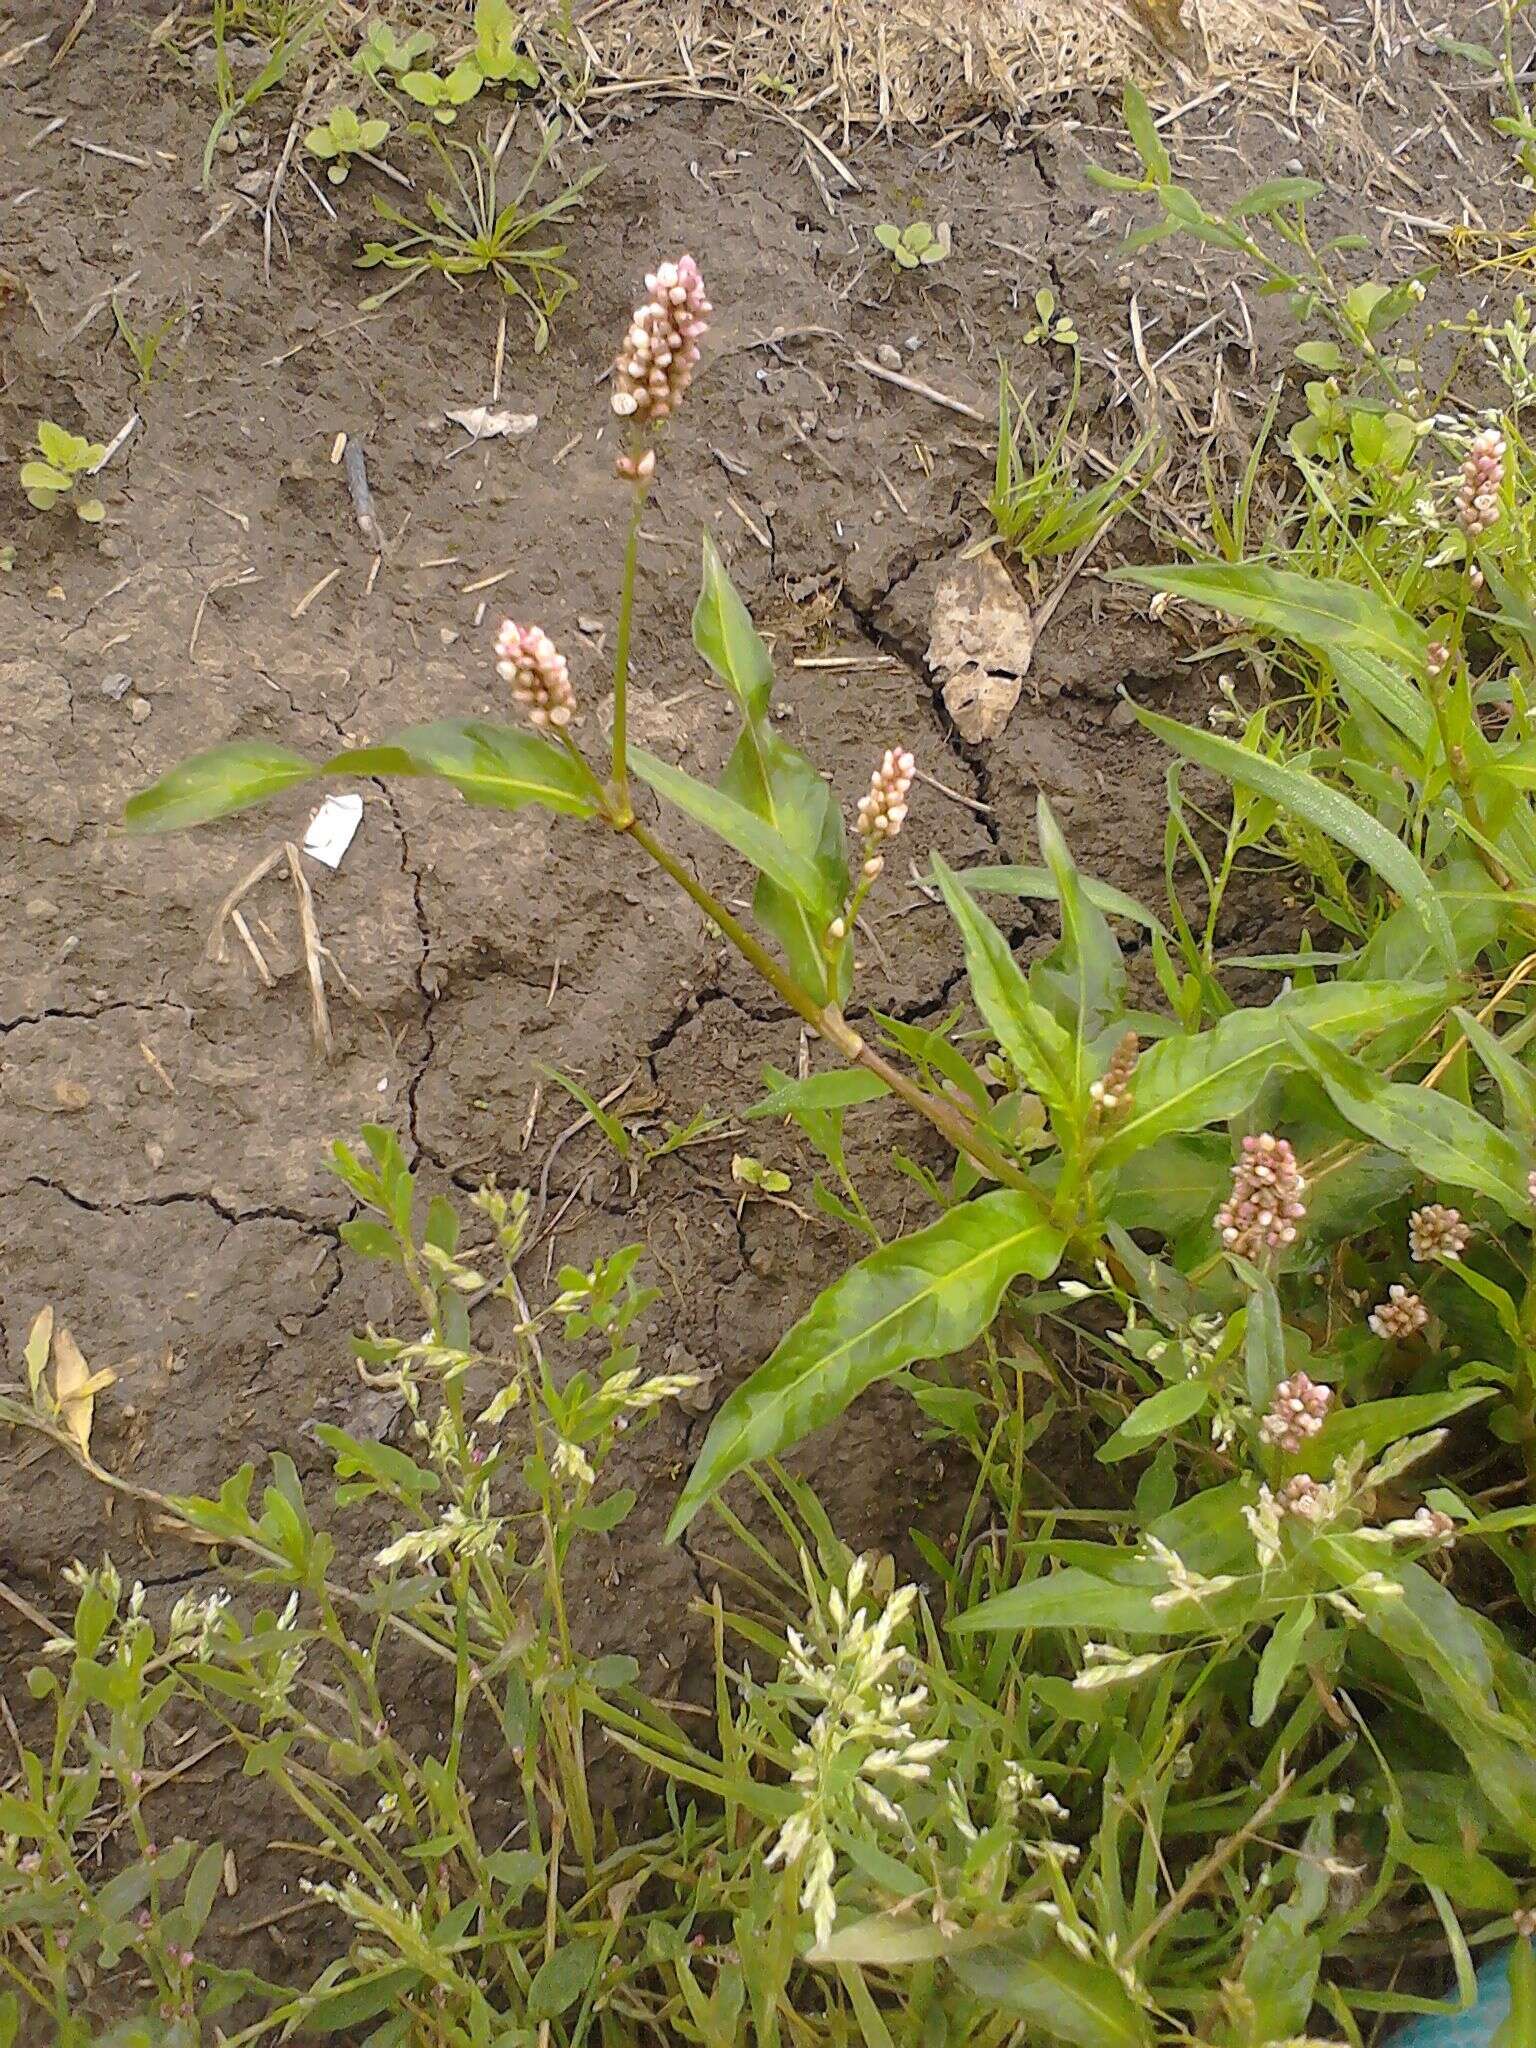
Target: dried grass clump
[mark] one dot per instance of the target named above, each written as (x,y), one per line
(917,60)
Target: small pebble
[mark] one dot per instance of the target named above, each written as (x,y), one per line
(1123,717)
(116,687)
(155,1154)
(138,709)
(39,906)
(887,357)
(447,635)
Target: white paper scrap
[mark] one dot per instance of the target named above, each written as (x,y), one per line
(332,828)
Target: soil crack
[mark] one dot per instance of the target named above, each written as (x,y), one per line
(62,1014)
(261,1213)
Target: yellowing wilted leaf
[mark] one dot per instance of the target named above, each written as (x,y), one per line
(39,1341)
(75,1388)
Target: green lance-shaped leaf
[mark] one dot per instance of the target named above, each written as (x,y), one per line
(1517,1084)
(921,1297)
(1445,1140)
(1315,610)
(1072,1597)
(212,785)
(1298,791)
(741,828)
(1186,1082)
(777,784)
(1084,976)
(1031,1974)
(1378,684)
(838,1088)
(499,765)
(780,786)
(1038,1046)
(724,634)
(1038,884)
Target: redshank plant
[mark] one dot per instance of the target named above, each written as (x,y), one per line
(1086,1120)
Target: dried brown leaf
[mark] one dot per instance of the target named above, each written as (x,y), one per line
(981,641)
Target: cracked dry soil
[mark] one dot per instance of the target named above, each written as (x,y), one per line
(164,1117)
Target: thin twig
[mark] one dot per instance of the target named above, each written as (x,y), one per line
(216,949)
(1203,1872)
(270,210)
(920,390)
(320,1016)
(258,959)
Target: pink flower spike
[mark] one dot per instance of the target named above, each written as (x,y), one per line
(1482,478)
(529,661)
(1436,1232)
(1265,1206)
(1401,1316)
(884,811)
(1297,1410)
(655,366)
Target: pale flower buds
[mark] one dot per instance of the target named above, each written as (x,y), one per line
(1436,655)
(1482,478)
(1113,1092)
(1296,1411)
(1265,1205)
(1401,1316)
(1436,1232)
(1311,1500)
(655,366)
(528,659)
(884,811)
(1425,1525)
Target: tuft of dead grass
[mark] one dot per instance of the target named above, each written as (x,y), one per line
(887,61)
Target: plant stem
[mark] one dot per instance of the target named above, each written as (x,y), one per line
(828,1022)
(623,814)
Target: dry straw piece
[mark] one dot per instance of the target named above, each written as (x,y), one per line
(916,60)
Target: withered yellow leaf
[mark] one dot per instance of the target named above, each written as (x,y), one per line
(75,1388)
(39,1343)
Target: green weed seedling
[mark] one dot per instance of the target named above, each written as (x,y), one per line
(496,59)
(145,344)
(383,52)
(914,246)
(61,470)
(484,235)
(342,136)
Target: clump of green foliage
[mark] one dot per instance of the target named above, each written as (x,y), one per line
(61,472)
(497,59)
(484,233)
